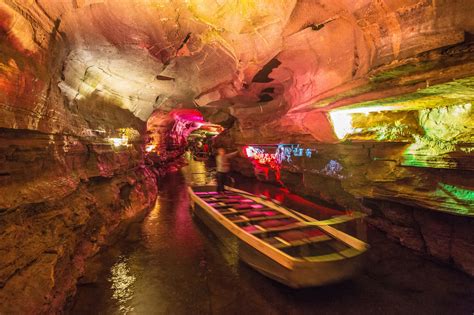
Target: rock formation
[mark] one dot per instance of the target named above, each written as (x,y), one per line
(380,91)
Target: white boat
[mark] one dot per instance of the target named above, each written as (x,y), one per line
(287,246)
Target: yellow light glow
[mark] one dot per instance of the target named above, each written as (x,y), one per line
(342,123)
(150,147)
(342,118)
(119,142)
(366,110)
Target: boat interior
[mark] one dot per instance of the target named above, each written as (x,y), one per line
(292,236)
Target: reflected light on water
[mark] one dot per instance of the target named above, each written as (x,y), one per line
(180,267)
(196,173)
(122,281)
(155,212)
(151,226)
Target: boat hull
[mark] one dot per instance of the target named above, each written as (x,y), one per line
(298,275)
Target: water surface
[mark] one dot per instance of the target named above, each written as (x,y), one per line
(171,264)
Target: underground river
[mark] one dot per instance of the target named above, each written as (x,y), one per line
(172,264)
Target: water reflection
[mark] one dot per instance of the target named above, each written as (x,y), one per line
(122,281)
(172,264)
(197,173)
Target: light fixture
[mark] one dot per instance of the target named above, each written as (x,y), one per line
(150,147)
(119,142)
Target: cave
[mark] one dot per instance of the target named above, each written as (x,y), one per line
(334,106)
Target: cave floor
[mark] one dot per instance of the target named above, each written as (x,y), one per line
(172,264)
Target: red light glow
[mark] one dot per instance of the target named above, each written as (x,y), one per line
(263,161)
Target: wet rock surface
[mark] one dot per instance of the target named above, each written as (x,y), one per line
(438,235)
(382,90)
(62,200)
(347,172)
(172,264)
(414,206)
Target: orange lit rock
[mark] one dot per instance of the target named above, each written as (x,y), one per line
(75,73)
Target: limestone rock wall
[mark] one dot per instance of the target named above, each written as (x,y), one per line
(65,188)
(62,198)
(430,210)
(445,237)
(383,90)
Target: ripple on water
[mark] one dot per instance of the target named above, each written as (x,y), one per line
(122,284)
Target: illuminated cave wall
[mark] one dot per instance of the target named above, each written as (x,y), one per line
(382,90)
(347,173)
(167,138)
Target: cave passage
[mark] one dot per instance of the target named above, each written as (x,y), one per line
(172,264)
(344,130)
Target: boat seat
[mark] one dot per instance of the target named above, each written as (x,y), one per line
(304,241)
(205,193)
(218,206)
(274,241)
(226,198)
(294,235)
(251,228)
(273,222)
(230,200)
(227,212)
(210,199)
(250,212)
(233,206)
(273,218)
(258,213)
(242,207)
(297,225)
(235,196)
(223,197)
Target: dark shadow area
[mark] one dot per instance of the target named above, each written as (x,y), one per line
(262,75)
(263,98)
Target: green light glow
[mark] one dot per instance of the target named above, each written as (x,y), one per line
(460,193)
(445,130)
(435,130)
(441,112)
(461,197)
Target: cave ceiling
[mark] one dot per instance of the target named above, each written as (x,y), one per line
(268,63)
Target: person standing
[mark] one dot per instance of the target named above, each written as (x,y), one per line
(223,167)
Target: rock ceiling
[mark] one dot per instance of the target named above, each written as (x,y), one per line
(269,63)
(380,91)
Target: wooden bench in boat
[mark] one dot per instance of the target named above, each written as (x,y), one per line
(295,226)
(234,210)
(257,219)
(304,241)
(289,247)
